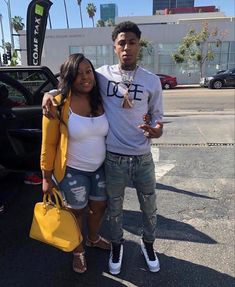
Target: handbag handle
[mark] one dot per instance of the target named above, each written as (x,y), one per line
(58,198)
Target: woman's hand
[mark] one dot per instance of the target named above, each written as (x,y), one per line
(47,185)
(47,182)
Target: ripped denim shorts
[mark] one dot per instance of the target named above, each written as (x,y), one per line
(79,186)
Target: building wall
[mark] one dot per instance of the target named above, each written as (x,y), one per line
(170,19)
(163,4)
(97,45)
(184,10)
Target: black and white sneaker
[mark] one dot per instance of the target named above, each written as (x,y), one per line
(115,259)
(150,256)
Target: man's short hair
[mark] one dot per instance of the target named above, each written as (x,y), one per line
(126,26)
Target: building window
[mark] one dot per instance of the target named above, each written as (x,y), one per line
(98,55)
(221,57)
(147,61)
(231,60)
(166,64)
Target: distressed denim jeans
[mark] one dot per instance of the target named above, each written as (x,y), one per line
(119,171)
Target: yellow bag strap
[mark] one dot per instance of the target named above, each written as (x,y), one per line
(57,195)
(58,198)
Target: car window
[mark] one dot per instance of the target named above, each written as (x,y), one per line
(228,71)
(31,80)
(35,82)
(10,97)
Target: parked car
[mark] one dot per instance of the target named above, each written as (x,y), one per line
(168,82)
(21,92)
(221,79)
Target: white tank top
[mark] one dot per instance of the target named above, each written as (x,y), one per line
(86,145)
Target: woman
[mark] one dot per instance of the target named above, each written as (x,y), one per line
(73,149)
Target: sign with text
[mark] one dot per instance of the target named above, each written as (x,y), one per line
(37,14)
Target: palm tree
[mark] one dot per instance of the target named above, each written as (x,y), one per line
(91,9)
(17,23)
(109,23)
(100,23)
(66,14)
(80,9)
(7,46)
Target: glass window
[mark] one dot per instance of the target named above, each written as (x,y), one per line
(219,47)
(166,64)
(31,80)
(147,60)
(232,59)
(165,59)
(167,48)
(10,97)
(98,55)
(232,47)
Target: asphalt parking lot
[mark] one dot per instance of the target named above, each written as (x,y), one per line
(195,232)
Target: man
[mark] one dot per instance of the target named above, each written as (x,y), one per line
(129,92)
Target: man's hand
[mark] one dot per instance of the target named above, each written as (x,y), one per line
(47,103)
(152,132)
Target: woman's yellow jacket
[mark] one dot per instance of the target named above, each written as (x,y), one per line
(55,140)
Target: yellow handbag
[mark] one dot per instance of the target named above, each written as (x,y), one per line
(54,224)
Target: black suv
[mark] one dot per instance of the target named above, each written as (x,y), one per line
(222,79)
(21,92)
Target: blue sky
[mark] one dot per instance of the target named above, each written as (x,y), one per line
(125,8)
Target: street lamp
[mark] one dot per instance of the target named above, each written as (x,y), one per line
(10,23)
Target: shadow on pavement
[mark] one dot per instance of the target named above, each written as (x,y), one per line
(25,262)
(181,191)
(166,228)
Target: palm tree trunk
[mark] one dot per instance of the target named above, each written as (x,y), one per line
(49,17)
(93,22)
(80,9)
(66,14)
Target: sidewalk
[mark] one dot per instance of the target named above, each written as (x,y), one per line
(187,86)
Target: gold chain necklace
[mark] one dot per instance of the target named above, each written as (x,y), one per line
(127,79)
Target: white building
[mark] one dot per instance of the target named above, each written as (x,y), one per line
(163,31)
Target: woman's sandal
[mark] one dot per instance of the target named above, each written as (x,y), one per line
(79,262)
(101,243)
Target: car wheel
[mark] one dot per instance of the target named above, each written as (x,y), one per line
(218,84)
(166,86)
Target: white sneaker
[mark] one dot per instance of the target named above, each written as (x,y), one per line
(115,259)
(150,256)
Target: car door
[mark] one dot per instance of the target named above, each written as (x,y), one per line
(20,129)
(20,120)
